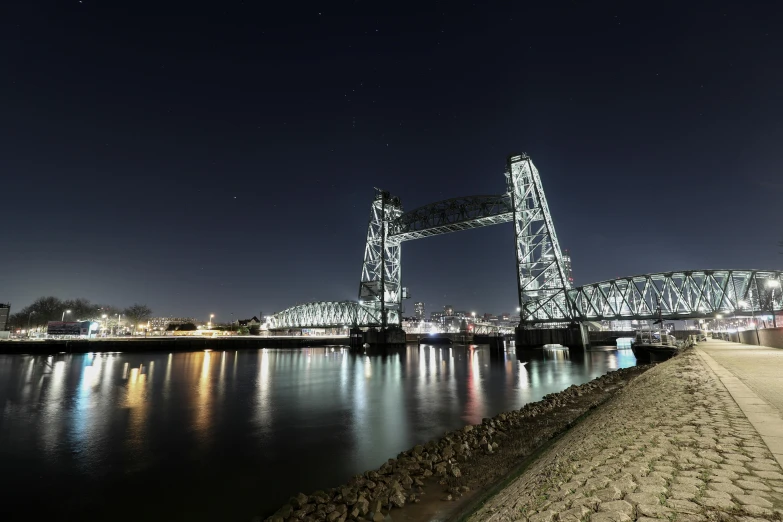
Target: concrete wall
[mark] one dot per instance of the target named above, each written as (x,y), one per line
(771,337)
(536,338)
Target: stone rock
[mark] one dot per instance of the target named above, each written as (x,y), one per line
(319,497)
(609,516)
(642,498)
(726,488)
(544,516)
(657,510)
(717,503)
(397,498)
(752,484)
(617,506)
(576,514)
(363,505)
(753,500)
(298,501)
(609,494)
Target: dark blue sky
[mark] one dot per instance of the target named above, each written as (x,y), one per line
(220,157)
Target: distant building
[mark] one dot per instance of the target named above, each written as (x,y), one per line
(5,311)
(418,309)
(162,323)
(253,321)
(448,310)
(436,317)
(569,273)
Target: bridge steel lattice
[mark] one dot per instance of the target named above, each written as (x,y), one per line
(322,314)
(690,294)
(540,270)
(544,292)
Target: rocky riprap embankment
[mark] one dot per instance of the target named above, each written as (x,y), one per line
(400,481)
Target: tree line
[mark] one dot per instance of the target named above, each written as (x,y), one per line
(50,308)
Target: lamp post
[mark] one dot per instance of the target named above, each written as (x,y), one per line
(717,321)
(105,324)
(63,317)
(119,318)
(28,323)
(210,320)
(772,284)
(753,315)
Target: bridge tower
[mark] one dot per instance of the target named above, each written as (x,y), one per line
(380,289)
(542,281)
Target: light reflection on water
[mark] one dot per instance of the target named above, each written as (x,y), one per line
(242,431)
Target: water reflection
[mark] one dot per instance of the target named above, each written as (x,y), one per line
(245,425)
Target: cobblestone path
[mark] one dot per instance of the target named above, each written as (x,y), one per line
(673,445)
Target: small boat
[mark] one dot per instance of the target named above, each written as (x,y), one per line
(654,346)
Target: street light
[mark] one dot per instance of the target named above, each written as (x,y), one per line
(210,320)
(753,315)
(105,323)
(773,284)
(28,323)
(63,317)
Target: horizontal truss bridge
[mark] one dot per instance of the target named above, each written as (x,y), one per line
(693,294)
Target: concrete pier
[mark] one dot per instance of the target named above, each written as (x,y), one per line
(575,336)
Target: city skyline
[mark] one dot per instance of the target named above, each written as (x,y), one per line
(235,173)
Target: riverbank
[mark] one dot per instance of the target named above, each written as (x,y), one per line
(164,344)
(439,479)
(673,445)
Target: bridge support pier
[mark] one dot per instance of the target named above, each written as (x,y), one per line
(575,336)
(394,337)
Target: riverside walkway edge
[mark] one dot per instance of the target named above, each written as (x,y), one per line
(675,444)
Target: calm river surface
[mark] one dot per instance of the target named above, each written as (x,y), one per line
(229,435)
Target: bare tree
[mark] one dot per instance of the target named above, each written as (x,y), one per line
(137,313)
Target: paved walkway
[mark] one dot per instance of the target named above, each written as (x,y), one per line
(754,377)
(673,445)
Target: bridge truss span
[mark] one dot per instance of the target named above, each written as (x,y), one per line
(452,215)
(325,314)
(691,294)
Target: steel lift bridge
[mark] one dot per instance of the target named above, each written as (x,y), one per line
(546,298)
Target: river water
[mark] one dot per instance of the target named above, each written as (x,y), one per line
(229,435)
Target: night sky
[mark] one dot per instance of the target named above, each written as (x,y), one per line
(220,157)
